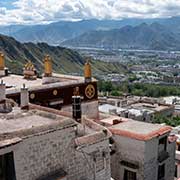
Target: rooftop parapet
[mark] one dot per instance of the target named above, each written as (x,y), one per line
(139,130)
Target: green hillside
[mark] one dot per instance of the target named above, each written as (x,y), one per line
(64,60)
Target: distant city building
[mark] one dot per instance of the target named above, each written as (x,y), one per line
(173,100)
(137,108)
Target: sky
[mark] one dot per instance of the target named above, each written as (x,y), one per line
(46,11)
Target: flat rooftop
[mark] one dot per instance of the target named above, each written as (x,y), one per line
(21,124)
(138,130)
(105,108)
(15,82)
(149,107)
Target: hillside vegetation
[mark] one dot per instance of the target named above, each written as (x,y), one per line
(64,60)
(139,89)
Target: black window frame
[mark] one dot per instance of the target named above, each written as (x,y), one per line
(7,166)
(163,141)
(176,171)
(161,172)
(129,175)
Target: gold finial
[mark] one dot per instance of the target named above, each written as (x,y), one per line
(47,66)
(87,70)
(76,91)
(29,66)
(2,63)
(29,71)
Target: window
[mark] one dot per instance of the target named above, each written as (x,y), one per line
(178,147)
(7,171)
(162,144)
(2,167)
(161,172)
(130,165)
(100,164)
(175,174)
(99,160)
(129,175)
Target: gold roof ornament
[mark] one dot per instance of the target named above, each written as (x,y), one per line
(47,66)
(29,66)
(87,71)
(76,91)
(90,91)
(2,61)
(29,71)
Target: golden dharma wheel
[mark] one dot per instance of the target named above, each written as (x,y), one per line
(32,96)
(90,91)
(55,92)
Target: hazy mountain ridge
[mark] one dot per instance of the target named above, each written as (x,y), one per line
(57,32)
(64,31)
(64,60)
(154,36)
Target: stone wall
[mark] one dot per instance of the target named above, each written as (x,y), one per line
(92,164)
(151,159)
(41,155)
(129,150)
(170,163)
(144,155)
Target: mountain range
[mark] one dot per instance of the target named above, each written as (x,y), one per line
(154,36)
(64,60)
(149,33)
(57,32)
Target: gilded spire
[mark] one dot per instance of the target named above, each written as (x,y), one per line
(87,71)
(76,91)
(29,66)
(47,66)
(2,63)
(29,71)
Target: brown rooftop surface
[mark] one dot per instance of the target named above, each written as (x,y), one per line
(22,124)
(32,121)
(139,130)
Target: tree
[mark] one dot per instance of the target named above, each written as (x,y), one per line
(116,93)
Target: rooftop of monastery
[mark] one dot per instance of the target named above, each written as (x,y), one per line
(48,80)
(14,82)
(134,129)
(20,123)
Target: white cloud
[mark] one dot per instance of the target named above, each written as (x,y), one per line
(44,11)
